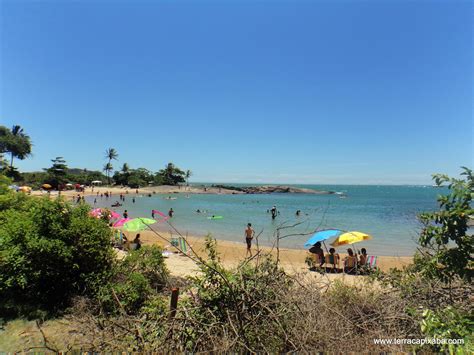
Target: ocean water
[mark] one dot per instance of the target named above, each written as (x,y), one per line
(388,213)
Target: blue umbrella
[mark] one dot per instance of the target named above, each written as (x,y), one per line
(322,236)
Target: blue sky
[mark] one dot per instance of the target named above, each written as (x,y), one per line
(263,91)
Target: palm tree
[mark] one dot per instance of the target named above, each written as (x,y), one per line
(125,168)
(20,145)
(187,176)
(108,168)
(110,154)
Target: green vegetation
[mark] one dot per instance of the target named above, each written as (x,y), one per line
(135,282)
(49,253)
(16,143)
(57,173)
(110,154)
(448,249)
(171,175)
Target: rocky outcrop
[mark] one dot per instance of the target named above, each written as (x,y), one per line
(274,189)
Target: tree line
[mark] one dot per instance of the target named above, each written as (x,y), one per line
(16,144)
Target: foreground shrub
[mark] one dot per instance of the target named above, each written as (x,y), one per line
(134,282)
(50,252)
(449,323)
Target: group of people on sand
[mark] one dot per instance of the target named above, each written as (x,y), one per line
(127,245)
(352,263)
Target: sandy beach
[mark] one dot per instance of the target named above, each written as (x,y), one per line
(232,253)
(163,189)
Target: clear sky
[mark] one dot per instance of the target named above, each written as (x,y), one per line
(250,91)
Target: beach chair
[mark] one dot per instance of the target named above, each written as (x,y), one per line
(118,239)
(313,261)
(183,245)
(372,262)
(175,242)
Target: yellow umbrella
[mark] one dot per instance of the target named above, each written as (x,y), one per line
(350,238)
(46,186)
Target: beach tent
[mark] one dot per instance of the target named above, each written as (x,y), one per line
(96,182)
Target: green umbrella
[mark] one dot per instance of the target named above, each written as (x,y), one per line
(137,224)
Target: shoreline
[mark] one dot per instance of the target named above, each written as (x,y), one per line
(232,253)
(169,189)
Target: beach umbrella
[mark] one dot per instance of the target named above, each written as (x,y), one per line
(96,211)
(321,236)
(46,186)
(114,215)
(121,222)
(138,224)
(350,238)
(164,216)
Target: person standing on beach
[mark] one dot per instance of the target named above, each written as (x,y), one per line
(249,234)
(153,214)
(170,213)
(125,214)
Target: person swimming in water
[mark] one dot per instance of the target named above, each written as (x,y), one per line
(274,212)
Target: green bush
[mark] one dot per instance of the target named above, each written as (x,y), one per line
(135,281)
(49,252)
(449,324)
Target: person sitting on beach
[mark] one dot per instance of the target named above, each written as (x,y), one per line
(318,252)
(333,259)
(137,241)
(350,262)
(249,233)
(363,257)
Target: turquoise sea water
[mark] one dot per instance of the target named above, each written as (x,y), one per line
(388,213)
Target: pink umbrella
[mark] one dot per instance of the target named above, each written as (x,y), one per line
(96,211)
(114,215)
(165,217)
(121,221)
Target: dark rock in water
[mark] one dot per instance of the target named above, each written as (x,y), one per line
(274,189)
